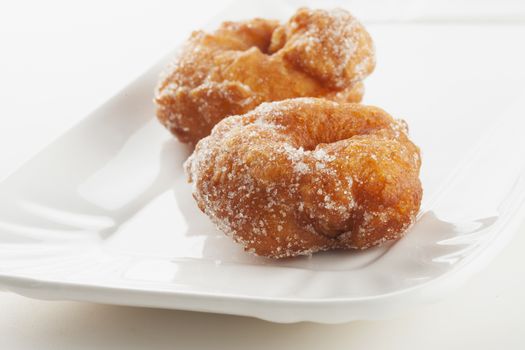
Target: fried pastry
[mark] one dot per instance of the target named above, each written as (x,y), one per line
(303,175)
(317,53)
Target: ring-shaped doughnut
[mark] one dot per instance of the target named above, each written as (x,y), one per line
(317,53)
(303,175)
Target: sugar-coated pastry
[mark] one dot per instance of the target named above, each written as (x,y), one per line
(304,175)
(317,53)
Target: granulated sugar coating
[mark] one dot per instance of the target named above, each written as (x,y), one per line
(303,175)
(317,53)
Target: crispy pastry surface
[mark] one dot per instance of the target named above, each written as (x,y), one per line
(304,175)
(317,53)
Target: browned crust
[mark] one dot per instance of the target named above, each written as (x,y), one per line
(317,53)
(303,175)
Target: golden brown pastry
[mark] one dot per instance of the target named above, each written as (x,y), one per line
(317,53)
(303,175)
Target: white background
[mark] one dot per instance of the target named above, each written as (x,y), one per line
(59,60)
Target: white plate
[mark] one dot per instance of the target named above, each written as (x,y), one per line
(104,213)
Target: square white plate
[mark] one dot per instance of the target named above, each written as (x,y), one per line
(104,213)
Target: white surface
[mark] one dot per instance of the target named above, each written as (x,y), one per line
(488,313)
(19,113)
